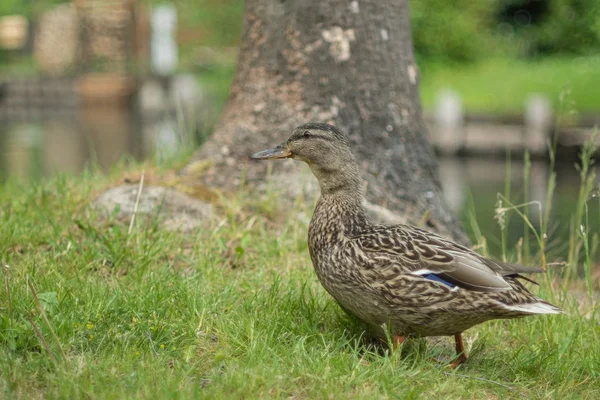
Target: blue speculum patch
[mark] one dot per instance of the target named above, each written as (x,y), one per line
(438,279)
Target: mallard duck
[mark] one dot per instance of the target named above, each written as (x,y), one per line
(400,280)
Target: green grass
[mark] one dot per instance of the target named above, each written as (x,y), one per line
(220,21)
(233,310)
(216,82)
(20,66)
(503,85)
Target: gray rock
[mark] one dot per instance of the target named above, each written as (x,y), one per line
(297,181)
(176,210)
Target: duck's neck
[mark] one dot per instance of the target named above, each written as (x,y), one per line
(339,179)
(340,211)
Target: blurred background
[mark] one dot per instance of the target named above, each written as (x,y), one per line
(94,81)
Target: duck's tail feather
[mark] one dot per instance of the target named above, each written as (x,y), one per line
(541,307)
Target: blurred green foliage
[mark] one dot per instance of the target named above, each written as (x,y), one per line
(217,22)
(28,8)
(450,31)
(464,31)
(486,50)
(221,19)
(8,7)
(572,26)
(461,30)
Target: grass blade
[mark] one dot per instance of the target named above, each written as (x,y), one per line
(45,317)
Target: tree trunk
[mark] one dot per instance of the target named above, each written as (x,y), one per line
(349,63)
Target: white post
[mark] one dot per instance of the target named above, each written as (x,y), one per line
(163,47)
(538,123)
(449,122)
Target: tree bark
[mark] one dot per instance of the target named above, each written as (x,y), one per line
(349,63)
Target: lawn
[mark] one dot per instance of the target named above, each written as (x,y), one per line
(502,86)
(233,310)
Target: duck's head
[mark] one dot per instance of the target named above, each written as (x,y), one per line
(315,144)
(326,151)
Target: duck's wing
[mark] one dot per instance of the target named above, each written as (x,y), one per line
(430,256)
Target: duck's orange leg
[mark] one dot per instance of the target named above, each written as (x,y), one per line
(398,340)
(460,352)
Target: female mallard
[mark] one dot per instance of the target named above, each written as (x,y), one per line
(398,279)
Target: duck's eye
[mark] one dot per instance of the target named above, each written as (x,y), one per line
(307,134)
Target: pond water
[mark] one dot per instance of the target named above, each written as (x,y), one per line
(471,185)
(33,150)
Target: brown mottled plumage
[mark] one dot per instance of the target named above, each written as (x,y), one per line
(398,279)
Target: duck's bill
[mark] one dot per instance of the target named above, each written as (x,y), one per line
(271,154)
